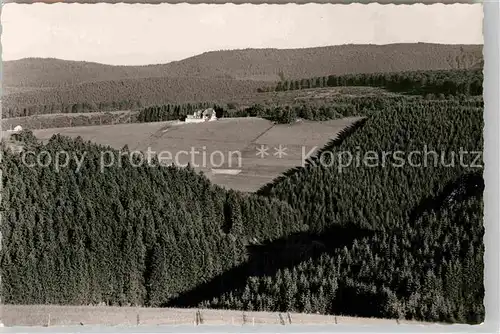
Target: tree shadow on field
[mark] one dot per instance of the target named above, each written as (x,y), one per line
(267,258)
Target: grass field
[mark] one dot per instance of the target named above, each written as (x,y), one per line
(53,315)
(232,143)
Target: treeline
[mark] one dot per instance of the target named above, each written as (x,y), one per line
(171,112)
(289,113)
(446,82)
(125,236)
(342,107)
(71,120)
(139,93)
(277,113)
(71,108)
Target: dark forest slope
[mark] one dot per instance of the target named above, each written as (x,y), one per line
(354,184)
(431,268)
(126,235)
(113,95)
(135,93)
(396,239)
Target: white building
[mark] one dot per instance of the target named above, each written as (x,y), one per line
(201,116)
(17,128)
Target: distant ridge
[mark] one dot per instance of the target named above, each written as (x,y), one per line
(249,64)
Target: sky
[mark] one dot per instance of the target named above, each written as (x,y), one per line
(139,34)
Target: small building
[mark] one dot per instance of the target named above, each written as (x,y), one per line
(18,128)
(201,116)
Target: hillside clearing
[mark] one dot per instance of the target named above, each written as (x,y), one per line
(226,143)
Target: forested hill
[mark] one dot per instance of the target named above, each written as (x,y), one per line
(390,239)
(384,195)
(252,64)
(113,95)
(126,235)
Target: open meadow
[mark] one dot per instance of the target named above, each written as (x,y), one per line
(237,153)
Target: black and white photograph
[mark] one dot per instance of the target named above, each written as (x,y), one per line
(242,165)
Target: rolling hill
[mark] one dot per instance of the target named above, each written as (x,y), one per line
(40,86)
(250,64)
(104,94)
